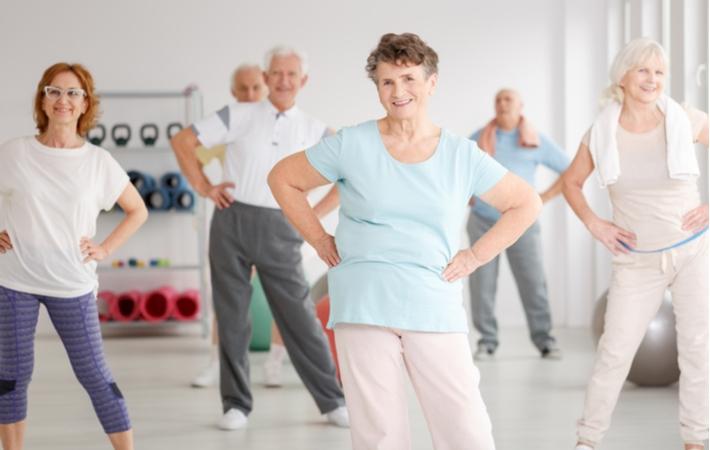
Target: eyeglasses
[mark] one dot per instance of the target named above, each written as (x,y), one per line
(55,93)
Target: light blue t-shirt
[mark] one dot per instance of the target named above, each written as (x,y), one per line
(521,161)
(399,227)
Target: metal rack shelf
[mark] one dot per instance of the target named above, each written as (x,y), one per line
(160,156)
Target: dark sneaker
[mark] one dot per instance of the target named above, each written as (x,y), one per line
(551,352)
(484,353)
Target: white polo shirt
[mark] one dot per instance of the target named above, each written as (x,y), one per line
(257,136)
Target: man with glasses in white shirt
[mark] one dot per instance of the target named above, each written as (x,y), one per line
(248,228)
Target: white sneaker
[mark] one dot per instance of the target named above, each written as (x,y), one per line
(209,375)
(484,353)
(273,374)
(338,417)
(232,420)
(583,447)
(273,367)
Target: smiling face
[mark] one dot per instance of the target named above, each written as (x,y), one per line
(404,90)
(645,82)
(66,109)
(284,77)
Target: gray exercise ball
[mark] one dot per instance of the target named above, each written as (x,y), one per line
(656,360)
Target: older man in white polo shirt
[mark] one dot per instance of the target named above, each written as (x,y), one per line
(248,228)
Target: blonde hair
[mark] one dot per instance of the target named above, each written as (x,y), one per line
(635,53)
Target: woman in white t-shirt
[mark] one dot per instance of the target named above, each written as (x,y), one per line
(642,146)
(53,186)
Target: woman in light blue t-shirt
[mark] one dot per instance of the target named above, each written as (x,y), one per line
(395,264)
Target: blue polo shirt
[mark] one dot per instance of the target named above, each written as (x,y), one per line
(521,161)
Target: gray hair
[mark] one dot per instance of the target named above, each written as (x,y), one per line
(635,53)
(283,50)
(240,68)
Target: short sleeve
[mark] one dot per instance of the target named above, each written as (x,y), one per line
(5,157)
(216,128)
(487,172)
(697,118)
(586,137)
(113,181)
(325,156)
(552,156)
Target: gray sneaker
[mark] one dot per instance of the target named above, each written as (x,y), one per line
(551,352)
(484,353)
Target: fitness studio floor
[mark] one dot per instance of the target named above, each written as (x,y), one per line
(533,403)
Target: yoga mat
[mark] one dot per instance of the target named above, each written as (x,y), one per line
(158,305)
(126,308)
(104,300)
(187,305)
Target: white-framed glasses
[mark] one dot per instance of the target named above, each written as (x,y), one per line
(55,93)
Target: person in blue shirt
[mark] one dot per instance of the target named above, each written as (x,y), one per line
(510,139)
(395,262)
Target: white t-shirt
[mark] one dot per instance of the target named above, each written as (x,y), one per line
(257,137)
(51,198)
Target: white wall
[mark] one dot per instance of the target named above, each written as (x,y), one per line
(553,51)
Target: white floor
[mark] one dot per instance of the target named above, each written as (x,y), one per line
(533,403)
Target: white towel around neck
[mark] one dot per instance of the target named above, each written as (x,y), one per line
(681,160)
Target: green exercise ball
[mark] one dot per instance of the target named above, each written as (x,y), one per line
(260,318)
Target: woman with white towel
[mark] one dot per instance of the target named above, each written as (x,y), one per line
(642,146)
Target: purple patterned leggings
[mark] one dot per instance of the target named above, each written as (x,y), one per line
(77,324)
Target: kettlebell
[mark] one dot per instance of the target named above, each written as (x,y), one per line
(149,134)
(97,139)
(173,128)
(122,129)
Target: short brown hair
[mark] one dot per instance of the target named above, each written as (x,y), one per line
(405,48)
(89,118)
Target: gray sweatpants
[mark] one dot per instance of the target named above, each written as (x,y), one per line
(245,235)
(525,258)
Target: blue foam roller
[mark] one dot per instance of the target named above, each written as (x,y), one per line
(142,181)
(183,200)
(172,181)
(158,199)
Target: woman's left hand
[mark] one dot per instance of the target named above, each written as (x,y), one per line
(91,251)
(696,219)
(462,265)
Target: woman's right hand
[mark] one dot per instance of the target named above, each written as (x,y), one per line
(327,251)
(219,195)
(5,244)
(612,236)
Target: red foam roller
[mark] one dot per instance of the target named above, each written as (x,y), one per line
(187,305)
(323,313)
(158,305)
(126,307)
(104,300)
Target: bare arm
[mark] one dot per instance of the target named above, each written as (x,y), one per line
(290,180)
(519,205)
(572,183)
(136,214)
(696,219)
(703,137)
(184,145)
(553,191)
